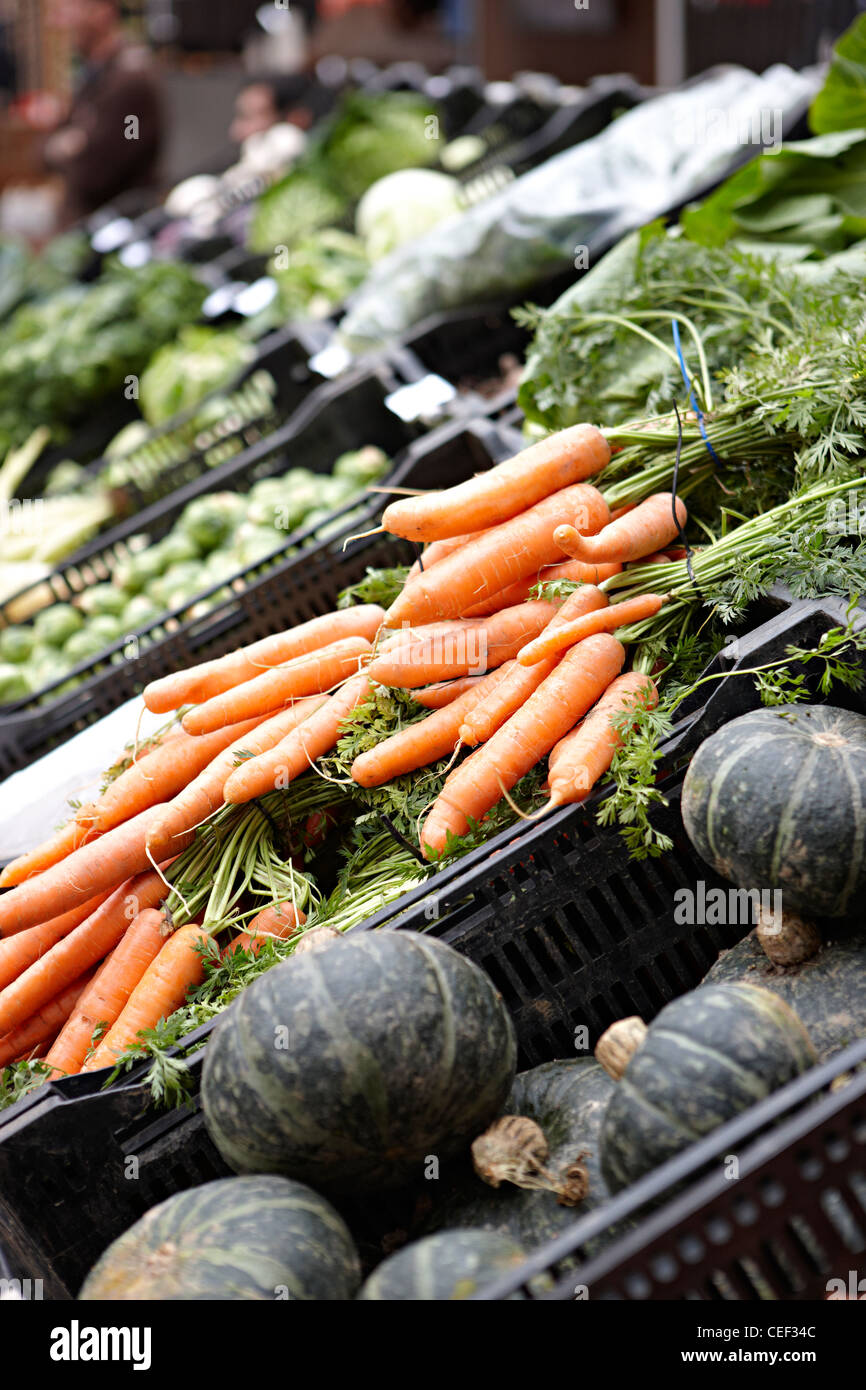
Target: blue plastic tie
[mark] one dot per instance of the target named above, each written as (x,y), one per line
(692,400)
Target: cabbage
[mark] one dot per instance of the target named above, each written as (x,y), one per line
(182,373)
(404,206)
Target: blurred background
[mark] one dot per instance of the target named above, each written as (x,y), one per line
(204,75)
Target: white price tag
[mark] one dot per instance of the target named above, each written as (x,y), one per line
(421,399)
(331,361)
(113,235)
(257,296)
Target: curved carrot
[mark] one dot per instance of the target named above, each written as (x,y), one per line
(488,716)
(162,989)
(70,837)
(425,742)
(43,1024)
(317,735)
(631,610)
(584,755)
(106,995)
(521,590)
(279,921)
(445,692)
(82,948)
(307,675)
(438,550)
(641,532)
(465,648)
(204,794)
(504,490)
(161,776)
(94,869)
(19,952)
(210,678)
(504,554)
(479,783)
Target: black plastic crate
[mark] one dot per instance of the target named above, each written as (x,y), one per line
(273,594)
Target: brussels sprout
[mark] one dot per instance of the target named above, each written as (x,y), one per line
(209,521)
(136,573)
(140,612)
(54,626)
(183,579)
(258,542)
(177,548)
(84,645)
(106,626)
(14,683)
(362,466)
(16,644)
(104,599)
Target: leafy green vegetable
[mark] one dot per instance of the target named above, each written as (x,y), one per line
(183,372)
(841,102)
(380,586)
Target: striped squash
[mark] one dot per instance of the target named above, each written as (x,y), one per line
(706,1057)
(236,1238)
(446,1267)
(350,1066)
(777,800)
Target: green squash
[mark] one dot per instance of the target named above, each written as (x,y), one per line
(236,1238)
(777,800)
(706,1057)
(827,992)
(567,1100)
(351,1066)
(453,1265)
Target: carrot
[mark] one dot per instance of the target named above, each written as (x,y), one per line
(584,755)
(43,1024)
(444,692)
(279,921)
(20,951)
(555,707)
(52,851)
(521,590)
(204,794)
(438,550)
(483,721)
(307,675)
(504,490)
(75,953)
(210,678)
(617,512)
(657,558)
(95,868)
(106,995)
(425,742)
(161,775)
(642,532)
(631,610)
(317,735)
(162,989)
(506,553)
(465,648)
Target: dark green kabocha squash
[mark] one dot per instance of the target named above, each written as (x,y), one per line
(707,1056)
(538,1192)
(827,990)
(350,1066)
(777,800)
(453,1265)
(233,1239)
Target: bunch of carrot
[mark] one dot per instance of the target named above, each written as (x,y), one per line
(85,942)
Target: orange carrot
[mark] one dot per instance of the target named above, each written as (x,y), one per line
(444,692)
(425,742)
(658,558)
(631,610)
(210,678)
(584,755)
(279,921)
(554,708)
(106,995)
(43,1024)
(307,675)
(52,851)
(20,951)
(204,794)
(504,490)
(506,553)
(617,512)
(161,775)
(82,948)
(94,869)
(521,590)
(162,989)
(291,757)
(642,532)
(438,550)
(468,647)
(483,721)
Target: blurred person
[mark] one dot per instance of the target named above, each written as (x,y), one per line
(106,145)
